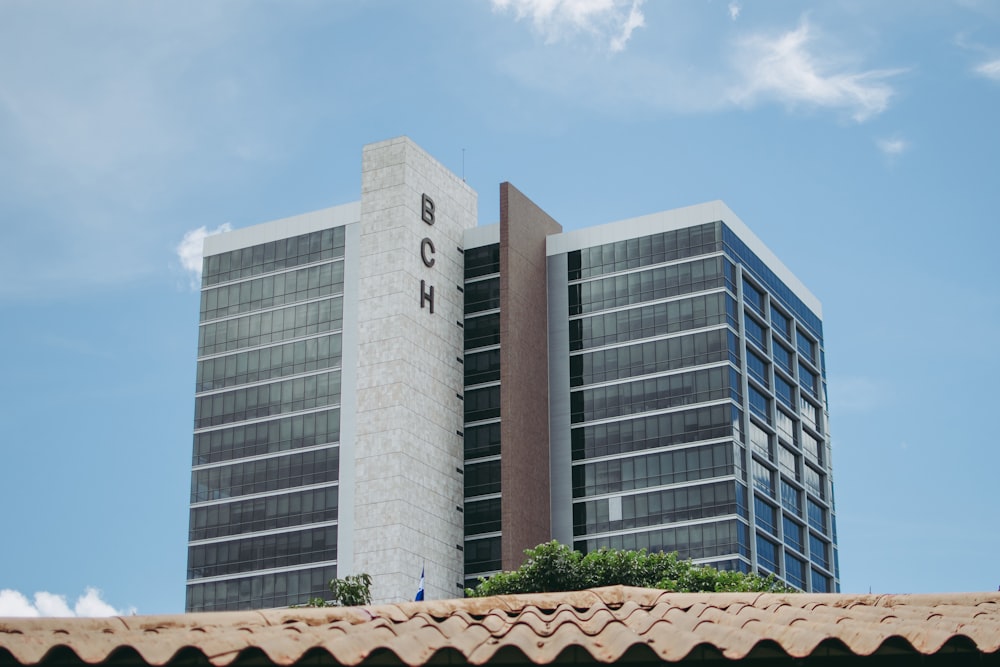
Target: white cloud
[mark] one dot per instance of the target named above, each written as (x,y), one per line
(50,604)
(190,248)
(786,69)
(612,21)
(990,69)
(679,73)
(635,20)
(14,604)
(90,605)
(892,147)
(734,10)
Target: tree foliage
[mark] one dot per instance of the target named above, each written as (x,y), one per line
(556,567)
(351,591)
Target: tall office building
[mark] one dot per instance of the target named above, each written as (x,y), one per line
(386,387)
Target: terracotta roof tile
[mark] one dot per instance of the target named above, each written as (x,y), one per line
(606,623)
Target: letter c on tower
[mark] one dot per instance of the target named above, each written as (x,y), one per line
(424,246)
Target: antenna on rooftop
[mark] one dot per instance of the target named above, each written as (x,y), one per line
(463,165)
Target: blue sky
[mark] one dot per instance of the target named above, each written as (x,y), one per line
(858,139)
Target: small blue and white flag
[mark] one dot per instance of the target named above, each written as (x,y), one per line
(420,591)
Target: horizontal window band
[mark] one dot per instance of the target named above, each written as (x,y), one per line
(262,533)
(254,573)
(262,494)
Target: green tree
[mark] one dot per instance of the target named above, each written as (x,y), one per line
(553,567)
(352,591)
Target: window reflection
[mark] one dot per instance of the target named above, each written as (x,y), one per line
(273,256)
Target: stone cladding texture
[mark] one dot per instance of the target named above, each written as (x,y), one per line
(409,379)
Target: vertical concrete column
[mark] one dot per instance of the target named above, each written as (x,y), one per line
(408,452)
(560,426)
(524,382)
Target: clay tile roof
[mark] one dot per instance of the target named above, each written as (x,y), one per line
(605,625)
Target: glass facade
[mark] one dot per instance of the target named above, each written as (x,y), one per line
(265,463)
(696,407)
(787,427)
(691,383)
(481,433)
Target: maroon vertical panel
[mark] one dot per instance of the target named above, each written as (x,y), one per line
(524,380)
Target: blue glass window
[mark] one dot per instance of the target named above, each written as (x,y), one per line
(753,296)
(811,446)
(807,379)
(787,461)
(735,247)
(760,440)
(820,582)
(817,552)
(780,323)
(737,422)
(814,482)
(793,534)
(765,513)
(782,357)
(795,571)
(810,415)
(807,348)
(763,479)
(790,498)
(786,427)
(735,385)
(760,405)
(767,554)
(817,516)
(755,332)
(757,368)
(783,391)
(741,501)
(734,348)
